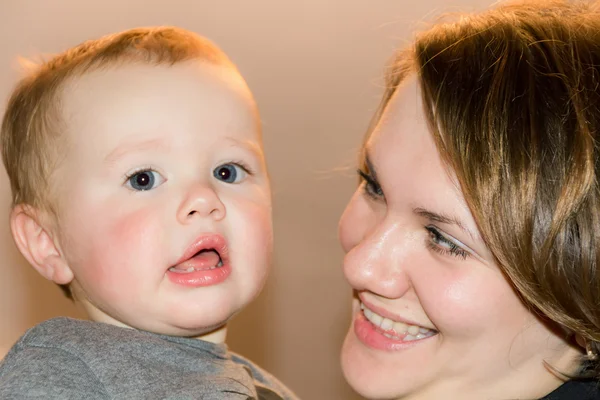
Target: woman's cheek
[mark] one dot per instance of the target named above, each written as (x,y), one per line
(460,303)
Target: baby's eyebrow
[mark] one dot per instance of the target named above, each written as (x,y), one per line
(249,145)
(126,148)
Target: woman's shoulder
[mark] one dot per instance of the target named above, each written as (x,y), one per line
(576,389)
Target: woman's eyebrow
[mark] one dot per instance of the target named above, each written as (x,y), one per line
(370,166)
(443,219)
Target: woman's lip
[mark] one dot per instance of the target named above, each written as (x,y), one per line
(386,314)
(203,242)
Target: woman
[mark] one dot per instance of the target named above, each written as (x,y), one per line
(473,240)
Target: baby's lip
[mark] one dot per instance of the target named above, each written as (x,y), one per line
(210,241)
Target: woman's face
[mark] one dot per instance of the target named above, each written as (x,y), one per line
(433,316)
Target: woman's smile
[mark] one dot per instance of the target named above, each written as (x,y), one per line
(390,334)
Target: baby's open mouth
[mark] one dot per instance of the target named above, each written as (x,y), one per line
(205,259)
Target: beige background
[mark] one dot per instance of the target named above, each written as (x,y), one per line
(315,67)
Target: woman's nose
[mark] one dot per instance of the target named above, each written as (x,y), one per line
(377,249)
(201,201)
(376,268)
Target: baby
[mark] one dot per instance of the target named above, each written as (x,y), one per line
(139,185)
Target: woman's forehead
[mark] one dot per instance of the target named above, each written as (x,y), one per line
(402,122)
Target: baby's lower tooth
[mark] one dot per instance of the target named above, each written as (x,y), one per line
(190,269)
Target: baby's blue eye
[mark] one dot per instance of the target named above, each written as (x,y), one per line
(145,180)
(230,173)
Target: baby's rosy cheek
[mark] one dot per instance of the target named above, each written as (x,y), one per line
(133,229)
(124,240)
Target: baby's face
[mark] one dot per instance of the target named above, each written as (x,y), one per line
(165,206)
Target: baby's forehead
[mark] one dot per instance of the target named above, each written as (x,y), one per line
(137,103)
(129,88)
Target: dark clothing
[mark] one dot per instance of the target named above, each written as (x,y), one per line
(576,390)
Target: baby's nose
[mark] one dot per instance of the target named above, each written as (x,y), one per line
(201,201)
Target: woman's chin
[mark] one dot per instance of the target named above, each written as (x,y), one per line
(379,367)
(367,374)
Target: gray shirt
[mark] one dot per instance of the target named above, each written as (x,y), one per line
(70,359)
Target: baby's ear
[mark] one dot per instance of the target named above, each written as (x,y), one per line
(35,241)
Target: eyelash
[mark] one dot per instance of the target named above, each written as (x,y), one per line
(128,175)
(240,164)
(371,187)
(434,240)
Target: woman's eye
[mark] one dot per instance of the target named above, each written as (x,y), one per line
(144,180)
(439,243)
(230,173)
(372,187)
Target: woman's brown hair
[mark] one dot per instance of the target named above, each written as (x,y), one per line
(513,100)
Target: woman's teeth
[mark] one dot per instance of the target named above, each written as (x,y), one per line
(397,330)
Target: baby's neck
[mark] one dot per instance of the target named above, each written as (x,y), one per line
(215,335)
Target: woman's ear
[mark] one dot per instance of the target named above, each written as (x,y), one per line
(580,341)
(589,348)
(34,240)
